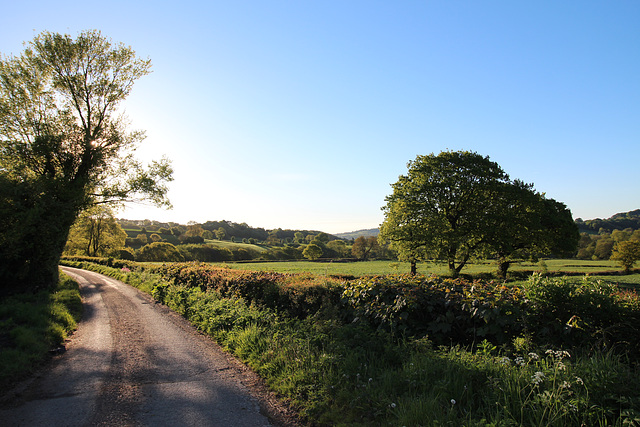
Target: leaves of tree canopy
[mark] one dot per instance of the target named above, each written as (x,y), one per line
(456,205)
(64,146)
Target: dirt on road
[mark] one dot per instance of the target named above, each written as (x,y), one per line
(133,362)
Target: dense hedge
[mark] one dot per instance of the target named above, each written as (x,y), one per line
(109,262)
(547,311)
(544,311)
(299,295)
(447,310)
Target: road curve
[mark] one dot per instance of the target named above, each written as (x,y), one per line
(134,362)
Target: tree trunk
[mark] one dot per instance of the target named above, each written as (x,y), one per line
(414,268)
(503,266)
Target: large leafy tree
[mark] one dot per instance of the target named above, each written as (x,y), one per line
(627,253)
(64,147)
(363,247)
(456,205)
(442,207)
(529,225)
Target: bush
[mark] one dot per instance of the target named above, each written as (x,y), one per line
(448,310)
(159,252)
(587,314)
(205,253)
(301,295)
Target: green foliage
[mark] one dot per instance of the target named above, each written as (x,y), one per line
(618,221)
(445,309)
(300,295)
(459,204)
(338,372)
(627,253)
(64,147)
(32,324)
(312,251)
(590,313)
(159,251)
(205,253)
(364,247)
(95,233)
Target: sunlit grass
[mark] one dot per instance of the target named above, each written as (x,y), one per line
(364,268)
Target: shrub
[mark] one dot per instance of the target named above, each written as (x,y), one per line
(301,295)
(448,310)
(582,314)
(159,251)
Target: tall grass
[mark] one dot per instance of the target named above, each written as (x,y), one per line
(349,374)
(32,324)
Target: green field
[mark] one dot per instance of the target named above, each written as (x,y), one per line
(373,268)
(236,245)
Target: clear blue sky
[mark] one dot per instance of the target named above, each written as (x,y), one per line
(300,114)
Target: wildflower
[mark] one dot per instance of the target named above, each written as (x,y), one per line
(537,378)
(573,408)
(560,354)
(561,366)
(519,361)
(534,356)
(504,361)
(579,381)
(453,401)
(565,384)
(393,405)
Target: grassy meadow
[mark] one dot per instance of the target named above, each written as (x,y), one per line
(378,268)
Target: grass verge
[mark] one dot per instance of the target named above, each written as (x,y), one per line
(32,324)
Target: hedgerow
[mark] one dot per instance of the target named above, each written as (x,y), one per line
(299,295)
(447,310)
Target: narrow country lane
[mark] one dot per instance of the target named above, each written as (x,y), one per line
(133,362)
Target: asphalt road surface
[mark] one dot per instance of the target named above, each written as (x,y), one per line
(133,362)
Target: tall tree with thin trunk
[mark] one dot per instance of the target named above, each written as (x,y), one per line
(64,147)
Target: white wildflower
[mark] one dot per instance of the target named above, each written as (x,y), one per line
(519,361)
(579,381)
(393,405)
(453,401)
(534,356)
(504,360)
(537,378)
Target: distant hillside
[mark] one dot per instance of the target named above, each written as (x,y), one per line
(355,234)
(619,221)
(238,230)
